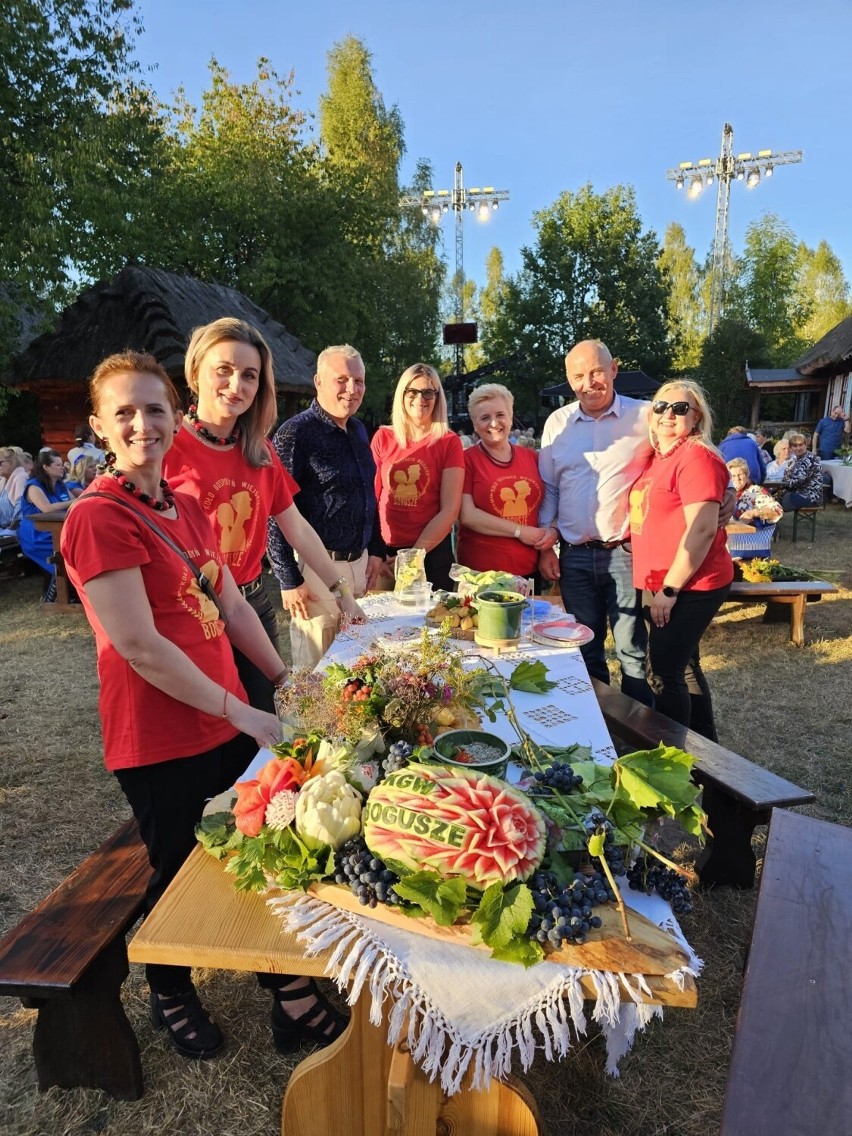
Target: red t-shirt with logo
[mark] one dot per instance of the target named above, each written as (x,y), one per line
(408,482)
(513,492)
(238,498)
(141,724)
(687,476)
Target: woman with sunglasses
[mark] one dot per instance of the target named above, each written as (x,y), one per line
(419,473)
(680,558)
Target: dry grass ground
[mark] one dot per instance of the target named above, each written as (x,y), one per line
(786,708)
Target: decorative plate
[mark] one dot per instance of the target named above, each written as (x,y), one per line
(562,632)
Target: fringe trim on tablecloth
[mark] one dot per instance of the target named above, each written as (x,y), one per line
(541,1021)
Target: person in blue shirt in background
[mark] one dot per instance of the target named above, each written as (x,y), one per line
(739,445)
(828,435)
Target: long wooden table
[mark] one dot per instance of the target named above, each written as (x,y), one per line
(794,594)
(359,1085)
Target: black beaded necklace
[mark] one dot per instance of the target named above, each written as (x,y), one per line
(146,499)
(208,435)
(499,461)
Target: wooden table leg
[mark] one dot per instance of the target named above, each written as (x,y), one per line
(361,1086)
(797,621)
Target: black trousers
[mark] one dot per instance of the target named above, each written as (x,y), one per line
(438,563)
(259,689)
(674,664)
(168,799)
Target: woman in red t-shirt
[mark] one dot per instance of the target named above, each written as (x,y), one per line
(680,555)
(499,527)
(177,727)
(419,473)
(222,456)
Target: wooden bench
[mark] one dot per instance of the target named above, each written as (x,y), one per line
(68,958)
(792,593)
(52,523)
(737,795)
(791,1071)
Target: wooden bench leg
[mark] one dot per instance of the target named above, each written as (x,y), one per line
(797,621)
(85,1040)
(727,859)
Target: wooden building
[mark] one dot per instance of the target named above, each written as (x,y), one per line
(144,309)
(831,359)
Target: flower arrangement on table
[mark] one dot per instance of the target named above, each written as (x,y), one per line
(524,866)
(766,571)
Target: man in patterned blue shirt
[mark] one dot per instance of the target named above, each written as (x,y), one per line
(327,452)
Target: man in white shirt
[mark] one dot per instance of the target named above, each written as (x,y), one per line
(592,451)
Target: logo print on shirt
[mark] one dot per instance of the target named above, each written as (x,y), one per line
(515,500)
(638,507)
(408,482)
(232,517)
(207,611)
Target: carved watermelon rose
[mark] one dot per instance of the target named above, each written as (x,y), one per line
(455,822)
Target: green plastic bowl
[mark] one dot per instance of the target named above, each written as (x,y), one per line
(445,744)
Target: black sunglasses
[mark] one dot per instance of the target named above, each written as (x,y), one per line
(678,408)
(428,394)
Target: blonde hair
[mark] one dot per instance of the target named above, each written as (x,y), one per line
(12,454)
(258,420)
(490,390)
(739,463)
(80,466)
(400,420)
(704,426)
(797,440)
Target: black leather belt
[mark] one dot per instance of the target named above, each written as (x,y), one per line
(254,586)
(347,556)
(605,544)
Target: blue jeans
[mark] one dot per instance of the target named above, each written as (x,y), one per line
(596,586)
(260,690)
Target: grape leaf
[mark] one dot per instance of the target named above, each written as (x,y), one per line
(440,898)
(596,844)
(531,677)
(502,915)
(523,950)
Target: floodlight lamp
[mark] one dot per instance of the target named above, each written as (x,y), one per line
(753,179)
(472,206)
(679,181)
(436,213)
(740,173)
(445,208)
(495,204)
(483,210)
(424,210)
(695,186)
(769,171)
(709,179)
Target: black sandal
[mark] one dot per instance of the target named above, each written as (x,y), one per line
(322,1024)
(183,1015)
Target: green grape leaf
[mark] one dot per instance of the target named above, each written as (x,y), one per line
(442,899)
(531,677)
(596,844)
(503,914)
(525,951)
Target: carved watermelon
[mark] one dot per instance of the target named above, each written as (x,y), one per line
(455,822)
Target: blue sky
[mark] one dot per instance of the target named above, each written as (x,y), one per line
(544,96)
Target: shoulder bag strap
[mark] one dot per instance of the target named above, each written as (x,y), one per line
(203,582)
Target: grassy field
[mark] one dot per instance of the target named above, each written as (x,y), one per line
(784,707)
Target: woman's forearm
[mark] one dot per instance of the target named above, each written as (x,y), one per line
(486,523)
(302,537)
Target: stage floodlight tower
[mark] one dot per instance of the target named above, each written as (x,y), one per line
(694,176)
(434,203)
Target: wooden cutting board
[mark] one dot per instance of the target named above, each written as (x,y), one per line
(649,951)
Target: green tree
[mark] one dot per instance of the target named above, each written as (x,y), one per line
(822,291)
(592,273)
(765,292)
(64,63)
(685,317)
(721,370)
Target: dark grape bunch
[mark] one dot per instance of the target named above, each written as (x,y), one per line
(364,874)
(666,882)
(397,757)
(559,776)
(596,822)
(563,912)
